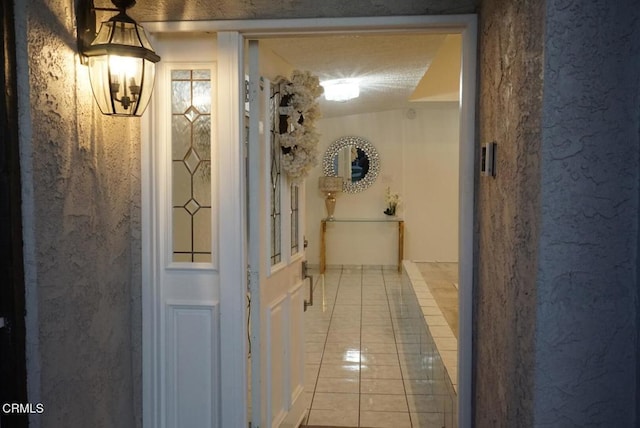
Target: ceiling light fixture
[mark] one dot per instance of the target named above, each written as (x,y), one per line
(120,58)
(341,89)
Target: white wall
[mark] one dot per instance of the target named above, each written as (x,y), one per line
(419,160)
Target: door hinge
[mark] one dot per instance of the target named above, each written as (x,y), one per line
(246,91)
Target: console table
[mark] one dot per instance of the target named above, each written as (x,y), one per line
(323,234)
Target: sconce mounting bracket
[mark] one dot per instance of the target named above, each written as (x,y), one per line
(123,4)
(86,24)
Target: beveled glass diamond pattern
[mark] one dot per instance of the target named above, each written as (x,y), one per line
(191,172)
(275,166)
(192,113)
(192,160)
(275,175)
(192,206)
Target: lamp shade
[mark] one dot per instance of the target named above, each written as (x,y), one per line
(121,67)
(330,184)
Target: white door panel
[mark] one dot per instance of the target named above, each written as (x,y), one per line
(182,354)
(296,332)
(192,344)
(283,344)
(276,284)
(276,356)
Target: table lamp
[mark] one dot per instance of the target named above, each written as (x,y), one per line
(330,186)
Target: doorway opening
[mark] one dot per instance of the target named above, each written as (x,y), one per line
(342,119)
(412,118)
(230,66)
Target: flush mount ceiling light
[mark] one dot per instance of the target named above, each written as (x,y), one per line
(341,89)
(120,58)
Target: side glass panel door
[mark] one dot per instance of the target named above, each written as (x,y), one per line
(181,319)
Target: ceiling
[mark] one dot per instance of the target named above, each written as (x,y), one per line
(389,67)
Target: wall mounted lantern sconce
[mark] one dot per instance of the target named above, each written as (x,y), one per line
(120,58)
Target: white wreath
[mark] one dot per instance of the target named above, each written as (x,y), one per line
(298,112)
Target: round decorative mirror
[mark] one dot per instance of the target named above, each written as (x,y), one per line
(353,158)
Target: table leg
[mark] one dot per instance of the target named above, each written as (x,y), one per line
(400,244)
(323,246)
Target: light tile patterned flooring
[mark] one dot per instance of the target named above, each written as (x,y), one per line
(369,360)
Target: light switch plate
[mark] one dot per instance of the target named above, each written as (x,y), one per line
(488,160)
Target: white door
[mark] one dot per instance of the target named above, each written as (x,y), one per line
(194,276)
(195,252)
(276,254)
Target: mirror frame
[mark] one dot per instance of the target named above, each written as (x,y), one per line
(368,149)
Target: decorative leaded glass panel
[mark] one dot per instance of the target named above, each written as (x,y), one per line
(295,216)
(191,165)
(275,177)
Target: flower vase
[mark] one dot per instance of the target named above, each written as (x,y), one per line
(330,204)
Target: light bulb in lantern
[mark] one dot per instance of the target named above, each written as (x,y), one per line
(123,66)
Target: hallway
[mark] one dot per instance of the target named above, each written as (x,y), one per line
(370,361)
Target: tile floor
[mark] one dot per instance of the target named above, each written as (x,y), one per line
(370,361)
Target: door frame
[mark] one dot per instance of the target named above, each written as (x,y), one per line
(13,333)
(232,35)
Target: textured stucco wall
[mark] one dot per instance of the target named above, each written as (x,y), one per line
(509,113)
(587,348)
(83,257)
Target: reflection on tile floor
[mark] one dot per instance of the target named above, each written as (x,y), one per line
(370,361)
